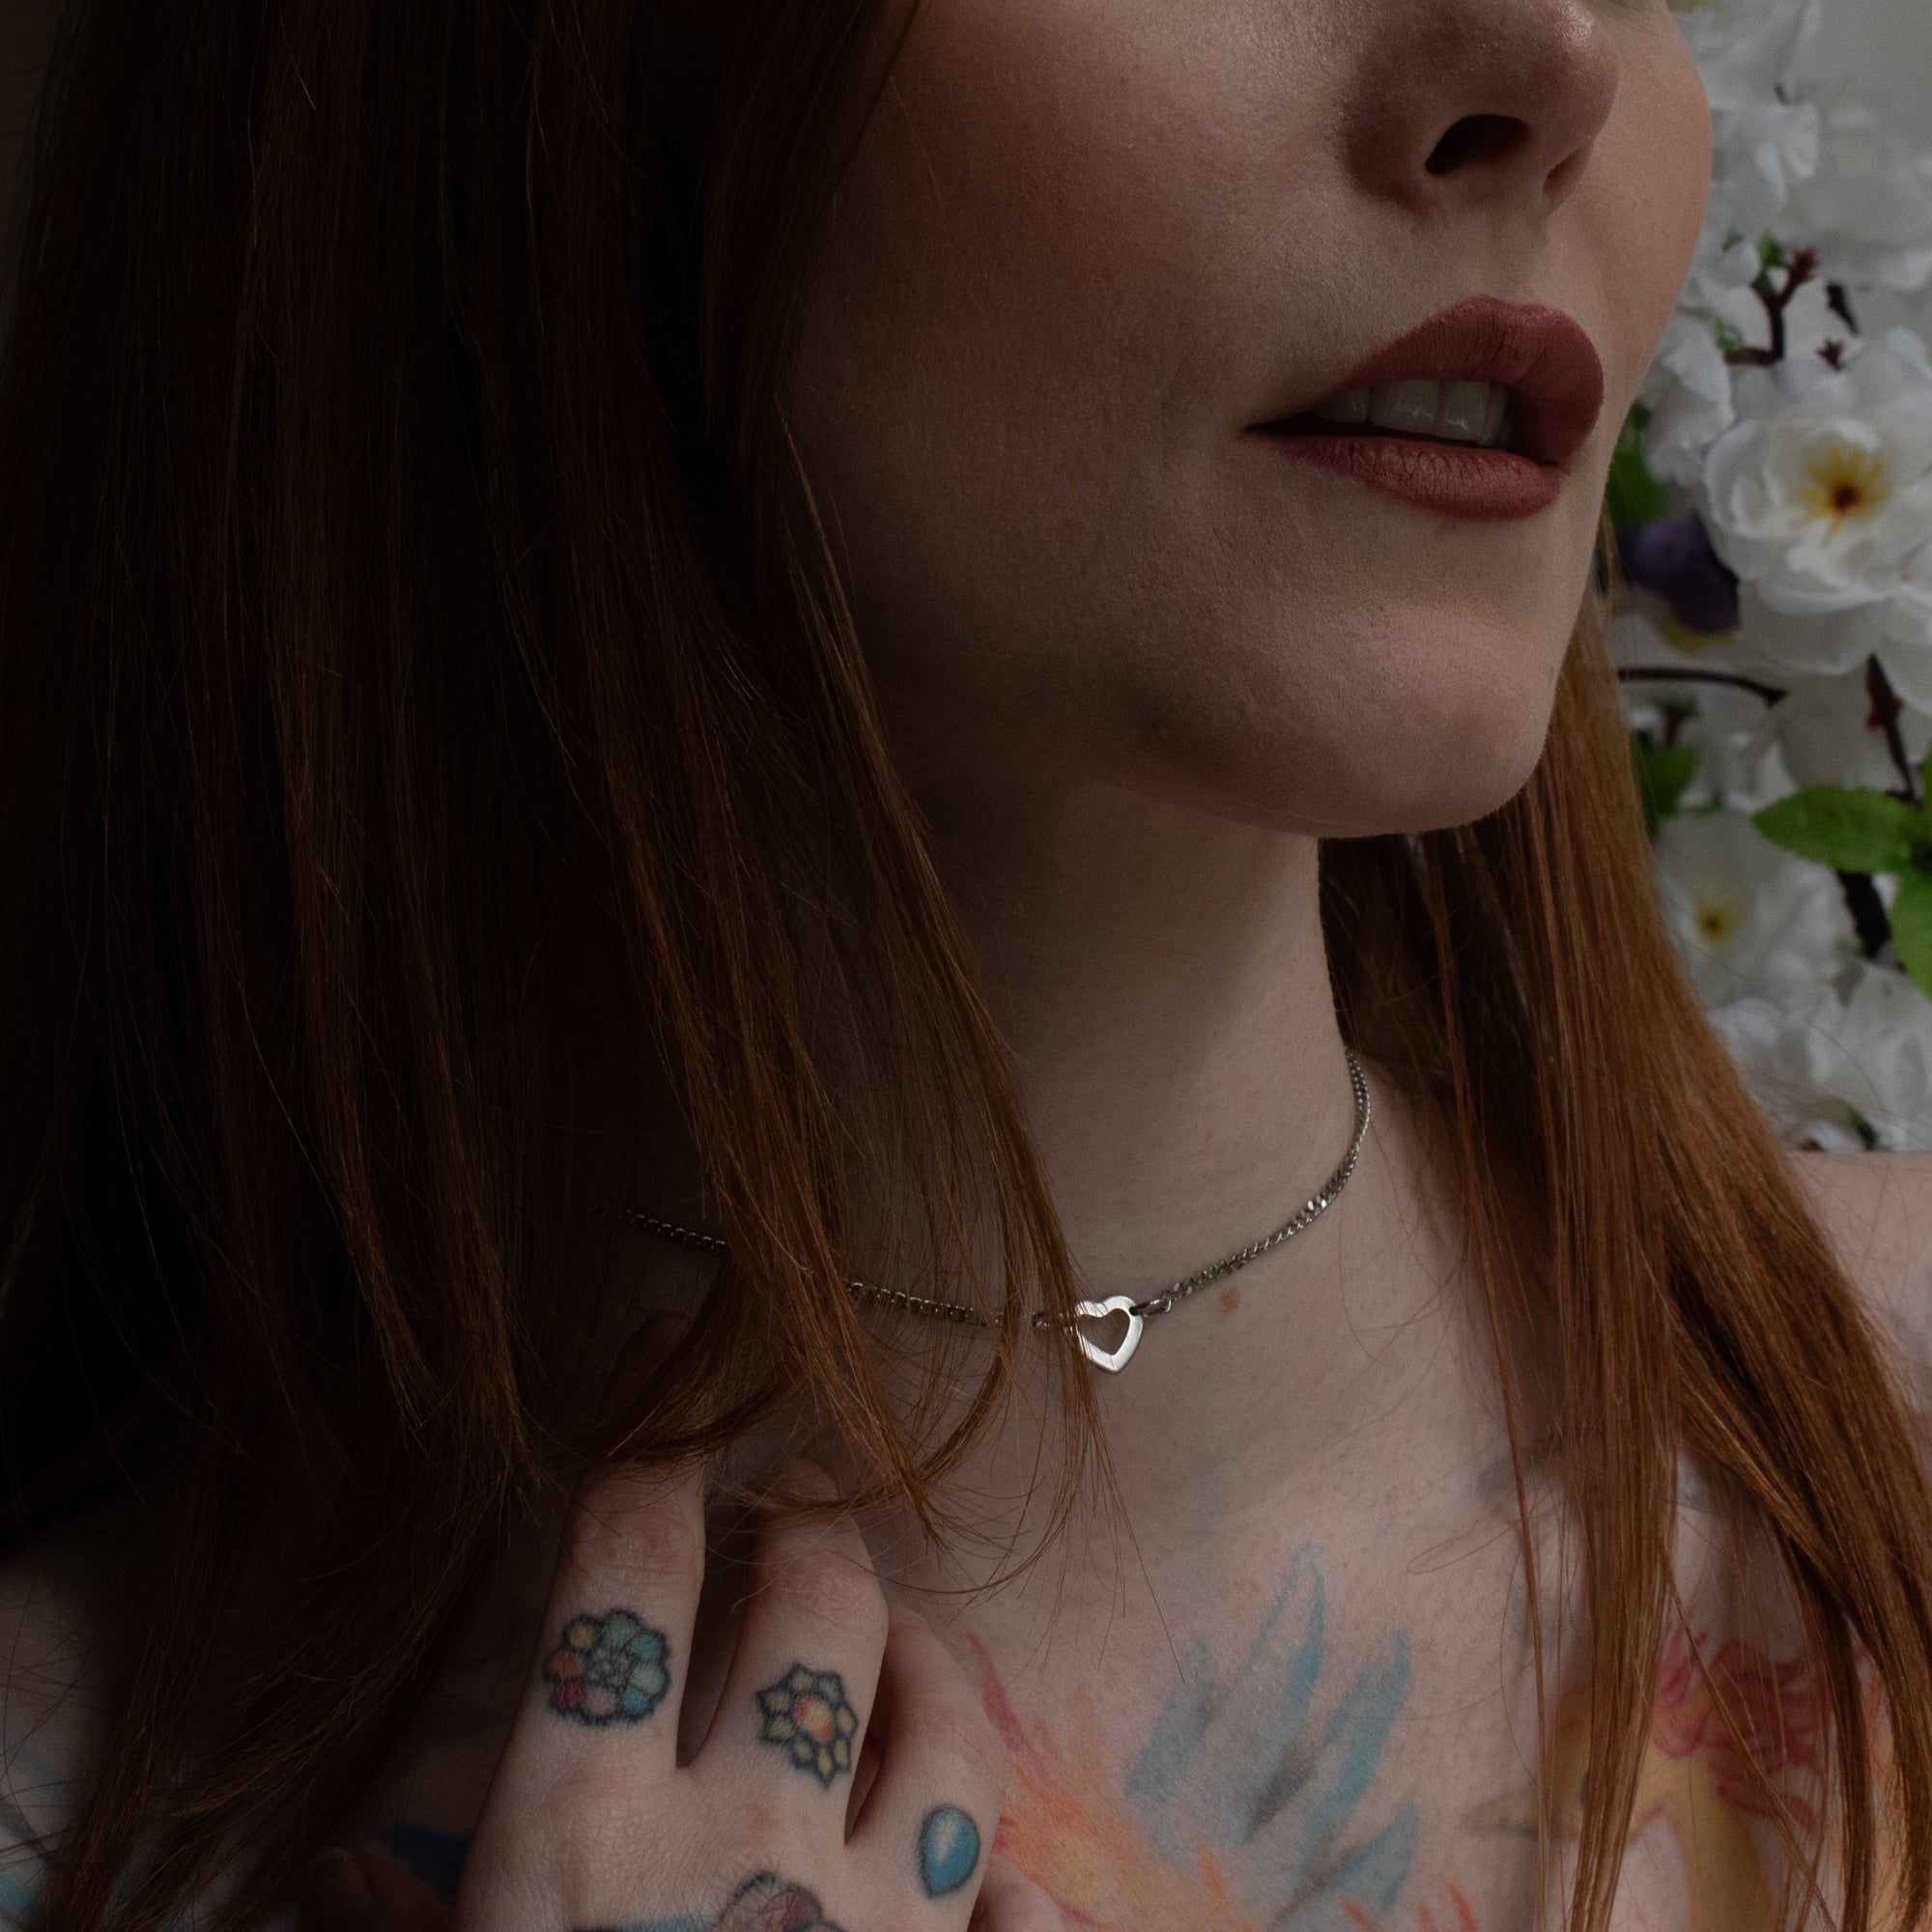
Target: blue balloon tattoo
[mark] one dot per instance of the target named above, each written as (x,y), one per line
(949,1851)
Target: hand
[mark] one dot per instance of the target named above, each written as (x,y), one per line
(592,1823)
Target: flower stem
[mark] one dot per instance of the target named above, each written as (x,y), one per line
(1800,267)
(1869,919)
(1886,709)
(1673,674)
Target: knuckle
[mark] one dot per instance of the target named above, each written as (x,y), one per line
(964,1747)
(831,1591)
(765,1835)
(1020,1907)
(629,1528)
(574,1806)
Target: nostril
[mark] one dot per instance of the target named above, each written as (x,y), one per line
(1477,138)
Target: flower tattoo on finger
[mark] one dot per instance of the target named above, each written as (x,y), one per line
(806,1714)
(612,1669)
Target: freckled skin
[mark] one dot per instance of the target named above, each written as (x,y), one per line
(1084,248)
(1087,246)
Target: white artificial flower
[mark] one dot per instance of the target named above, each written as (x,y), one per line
(1738,764)
(1834,1063)
(1828,735)
(1815,480)
(1761,150)
(1893,623)
(1784,1058)
(1904,622)
(1725,258)
(1746,49)
(1867,207)
(1826,644)
(1764,142)
(1689,395)
(1822,490)
(1747,918)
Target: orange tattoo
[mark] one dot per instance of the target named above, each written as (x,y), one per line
(1721,1741)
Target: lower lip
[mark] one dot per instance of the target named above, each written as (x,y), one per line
(1478,486)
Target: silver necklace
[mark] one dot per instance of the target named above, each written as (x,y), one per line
(1138,1313)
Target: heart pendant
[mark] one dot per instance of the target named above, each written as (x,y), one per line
(1113,1360)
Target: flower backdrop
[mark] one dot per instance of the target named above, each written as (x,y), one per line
(1773,500)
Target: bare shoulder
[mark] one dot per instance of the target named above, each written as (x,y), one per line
(1876,1208)
(60,1633)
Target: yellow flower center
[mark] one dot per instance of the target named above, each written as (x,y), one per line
(1845,482)
(1687,640)
(1716,921)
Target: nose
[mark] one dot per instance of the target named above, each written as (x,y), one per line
(1491,104)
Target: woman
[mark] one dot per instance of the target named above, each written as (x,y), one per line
(896,639)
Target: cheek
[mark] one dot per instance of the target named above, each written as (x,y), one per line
(1645,207)
(1037,207)
(1020,389)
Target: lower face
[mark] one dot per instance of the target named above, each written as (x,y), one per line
(1075,385)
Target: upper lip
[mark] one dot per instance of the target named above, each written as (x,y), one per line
(1546,360)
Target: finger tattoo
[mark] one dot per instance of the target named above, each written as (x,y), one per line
(612,1669)
(805,1715)
(766,1903)
(948,1850)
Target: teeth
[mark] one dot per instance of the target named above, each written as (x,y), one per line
(1465,411)
(1406,405)
(1351,406)
(1458,411)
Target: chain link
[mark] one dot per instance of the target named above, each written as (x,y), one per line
(1311,1210)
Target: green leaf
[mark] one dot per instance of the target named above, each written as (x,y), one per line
(1912,929)
(1849,831)
(1633,494)
(1663,771)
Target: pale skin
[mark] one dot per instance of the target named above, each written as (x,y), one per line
(1135,665)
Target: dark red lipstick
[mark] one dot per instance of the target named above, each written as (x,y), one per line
(1555,384)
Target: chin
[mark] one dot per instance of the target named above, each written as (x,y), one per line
(1451,770)
(1436,727)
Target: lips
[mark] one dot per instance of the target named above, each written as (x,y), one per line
(1554,380)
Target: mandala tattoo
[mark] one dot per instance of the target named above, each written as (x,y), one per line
(612,1669)
(764,1904)
(769,1904)
(806,1714)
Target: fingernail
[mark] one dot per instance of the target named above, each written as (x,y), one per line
(339,1897)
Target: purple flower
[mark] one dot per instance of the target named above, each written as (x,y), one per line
(1674,560)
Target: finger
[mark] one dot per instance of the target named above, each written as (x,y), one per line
(1010,1902)
(617,1629)
(792,1716)
(596,1742)
(942,1774)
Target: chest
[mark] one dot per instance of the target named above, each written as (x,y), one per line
(1308,1729)
(1312,1744)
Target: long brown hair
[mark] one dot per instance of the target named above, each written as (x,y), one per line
(407,594)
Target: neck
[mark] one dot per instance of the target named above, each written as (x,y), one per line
(1161,978)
